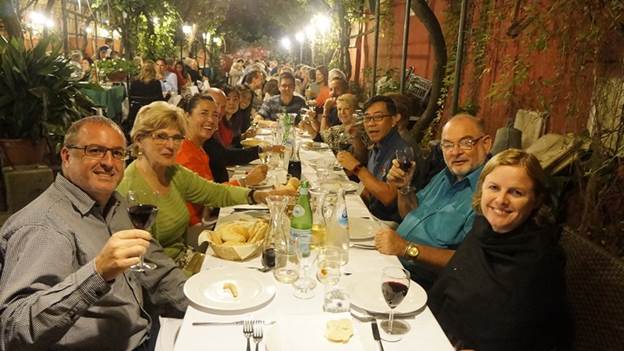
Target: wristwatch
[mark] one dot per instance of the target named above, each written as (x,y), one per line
(356,169)
(411,251)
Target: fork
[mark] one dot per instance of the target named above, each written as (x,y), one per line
(248,332)
(257,334)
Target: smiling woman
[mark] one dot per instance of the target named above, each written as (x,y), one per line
(503,289)
(157,136)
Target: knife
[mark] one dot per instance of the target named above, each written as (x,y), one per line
(229,323)
(376,336)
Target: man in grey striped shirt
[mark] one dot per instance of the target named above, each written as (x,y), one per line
(64,258)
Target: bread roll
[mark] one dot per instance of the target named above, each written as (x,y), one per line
(339,330)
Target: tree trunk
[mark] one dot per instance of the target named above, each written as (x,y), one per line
(429,20)
(11,21)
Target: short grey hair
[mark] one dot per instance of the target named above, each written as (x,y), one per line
(72,132)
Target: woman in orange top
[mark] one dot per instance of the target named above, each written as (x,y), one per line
(203,120)
(321,80)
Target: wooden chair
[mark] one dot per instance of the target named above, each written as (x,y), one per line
(595,293)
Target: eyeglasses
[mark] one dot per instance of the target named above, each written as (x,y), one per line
(376,118)
(465,144)
(162,138)
(97,151)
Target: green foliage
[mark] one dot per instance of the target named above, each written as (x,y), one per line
(38,97)
(107,67)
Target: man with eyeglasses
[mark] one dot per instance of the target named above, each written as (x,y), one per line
(64,258)
(285,102)
(380,120)
(440,215)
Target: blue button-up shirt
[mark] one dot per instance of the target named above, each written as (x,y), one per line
(442,219)
(379,163)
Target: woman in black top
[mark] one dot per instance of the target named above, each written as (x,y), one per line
(504,287)
(143,91)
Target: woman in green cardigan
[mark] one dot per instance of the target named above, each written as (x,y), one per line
(156,138)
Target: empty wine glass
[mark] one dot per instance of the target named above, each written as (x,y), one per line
(395,282)
(304,286)
(405,156)
(142,211)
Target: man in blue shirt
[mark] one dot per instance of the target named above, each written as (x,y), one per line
(285,102)
(380,120)
(438,218)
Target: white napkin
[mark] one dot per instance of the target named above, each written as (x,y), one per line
(307,333)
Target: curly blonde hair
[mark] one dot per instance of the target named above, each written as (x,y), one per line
(155,116)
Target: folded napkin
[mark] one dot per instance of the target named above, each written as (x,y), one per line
(307,333)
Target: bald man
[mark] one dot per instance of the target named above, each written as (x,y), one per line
(438,217)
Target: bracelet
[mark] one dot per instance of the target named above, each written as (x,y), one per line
(405,190)
(250,197)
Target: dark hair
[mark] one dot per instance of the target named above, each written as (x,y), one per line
(241,88)
(228,89)
(324,71)
(287,75)
(343,83)
(402,103)
(251,76)
(390,105)
(271,87)
(195,100)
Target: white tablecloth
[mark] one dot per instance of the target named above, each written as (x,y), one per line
(292,313)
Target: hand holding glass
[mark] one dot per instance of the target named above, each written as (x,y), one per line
(142,211)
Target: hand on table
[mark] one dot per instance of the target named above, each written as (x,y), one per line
(256,175)
(121,251)
(347,160)
(389,242)
(398,177)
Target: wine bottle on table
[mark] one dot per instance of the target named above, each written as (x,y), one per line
(301,221)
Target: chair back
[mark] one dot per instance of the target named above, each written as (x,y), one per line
(595,294)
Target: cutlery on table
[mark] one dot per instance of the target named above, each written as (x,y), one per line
(257,334)
(248,332)
(261,269)
(231,323)
(376,336)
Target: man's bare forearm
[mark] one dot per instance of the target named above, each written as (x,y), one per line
(406,203)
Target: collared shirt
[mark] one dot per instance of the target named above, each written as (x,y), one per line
(444,214)
(274,105)
(379,163)
(51,297)
(170,83)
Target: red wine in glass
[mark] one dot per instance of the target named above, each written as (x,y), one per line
(394,292)
(142,216)
(405,157)
(268,257)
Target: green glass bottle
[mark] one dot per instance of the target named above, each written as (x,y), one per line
(301,220)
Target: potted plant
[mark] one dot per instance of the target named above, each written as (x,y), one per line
(117,69)
(38,99)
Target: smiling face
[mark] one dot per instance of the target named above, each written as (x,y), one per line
(460,161)
(345,112)
(377,130)
(286,89)
(336,88)
(507,198)
(245,99)
(319,78)
(98,177)
(203,121)
(160,147)
(220,100)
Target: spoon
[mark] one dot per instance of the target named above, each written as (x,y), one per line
(261,269)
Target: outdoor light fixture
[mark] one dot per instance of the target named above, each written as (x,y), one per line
(186,29)
(310,32)
(39,20)
(116,34)
(156,21)
(285,43)
(206,36)
(300,37)
(322,23)
(89,30)
(217,41)
(104,33)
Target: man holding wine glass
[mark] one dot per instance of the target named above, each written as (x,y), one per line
(380,120)
(438,217)
(65,258)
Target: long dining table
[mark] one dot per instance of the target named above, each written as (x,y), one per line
(300,323)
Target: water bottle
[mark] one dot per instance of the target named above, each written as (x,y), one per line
(338,229)
(301,220)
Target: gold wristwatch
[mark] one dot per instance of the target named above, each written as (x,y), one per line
(411,251)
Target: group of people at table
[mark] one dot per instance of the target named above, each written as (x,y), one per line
(478,236)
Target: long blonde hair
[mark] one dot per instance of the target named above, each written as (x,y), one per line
(148,71)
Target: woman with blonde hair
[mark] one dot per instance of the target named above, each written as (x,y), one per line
(143,91)
(156,138)
(503,289)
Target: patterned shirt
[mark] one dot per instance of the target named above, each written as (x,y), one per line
(51,297)
(273,106)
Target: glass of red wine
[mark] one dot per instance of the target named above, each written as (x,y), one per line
(395,282)
(405,156)
(142,211)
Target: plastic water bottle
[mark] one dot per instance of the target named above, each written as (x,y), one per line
(338,229)
(301,220)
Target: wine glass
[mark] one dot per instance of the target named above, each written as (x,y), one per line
(142,211)
(328,274)
(304,286)
(395,282)
(405,156)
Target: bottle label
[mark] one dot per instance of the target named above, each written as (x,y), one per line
(298,211)
(343,219)
(304,236)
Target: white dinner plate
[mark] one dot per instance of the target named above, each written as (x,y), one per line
(205,290)
(365,291)
(333,185)
(362,228)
